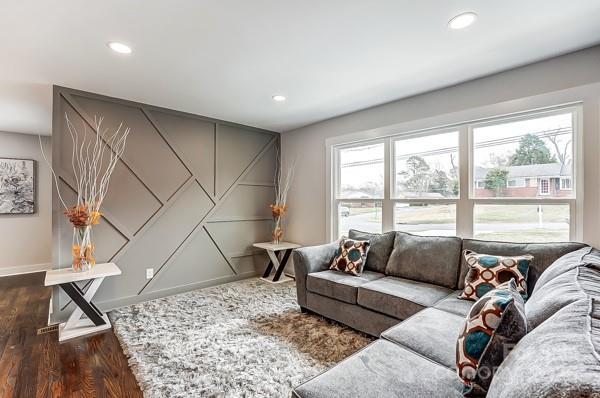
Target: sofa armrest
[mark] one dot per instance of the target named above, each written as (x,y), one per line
(308,260)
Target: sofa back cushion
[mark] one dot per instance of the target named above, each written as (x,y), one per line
(543,254)
(573,285)
(572,277)
(560,358)
(380,248)
(429,259)
(572,260)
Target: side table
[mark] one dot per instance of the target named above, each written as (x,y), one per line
(273,250)
(96,321)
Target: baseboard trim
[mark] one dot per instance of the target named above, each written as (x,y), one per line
(123,302)
(24,269)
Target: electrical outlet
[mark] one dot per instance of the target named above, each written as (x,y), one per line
(149,273)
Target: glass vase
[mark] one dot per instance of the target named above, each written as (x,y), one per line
(83,249)
(277,234)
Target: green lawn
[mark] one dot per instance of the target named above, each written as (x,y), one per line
(521,213)
(432,214)
(444,214)
(436,214)
(363,210)
(527,235)
(485,214)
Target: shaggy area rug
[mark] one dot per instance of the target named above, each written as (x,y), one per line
(242,339)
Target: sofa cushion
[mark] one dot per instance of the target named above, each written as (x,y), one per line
(399,297)
(486,272)
(431,333)
(429,259)
(338,285)
(543,254)
(577,258)
(453,304)
(496,321)
(383,370)
(350,256)
(355,316)
(575,284)
(380,249)
(560,358)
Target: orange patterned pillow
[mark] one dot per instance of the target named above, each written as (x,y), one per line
(351,256)
(486,272)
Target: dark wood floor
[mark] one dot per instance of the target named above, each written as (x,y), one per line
(34,365)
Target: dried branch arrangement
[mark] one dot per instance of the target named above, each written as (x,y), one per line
(283,182)
(94,158)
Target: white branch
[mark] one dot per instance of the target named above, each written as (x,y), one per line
(91,168)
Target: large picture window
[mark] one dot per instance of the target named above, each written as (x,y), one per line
(508,178)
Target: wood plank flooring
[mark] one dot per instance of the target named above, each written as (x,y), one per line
(34,365)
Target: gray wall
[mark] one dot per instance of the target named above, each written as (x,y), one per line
(188,199)
(498,94)
(26,243)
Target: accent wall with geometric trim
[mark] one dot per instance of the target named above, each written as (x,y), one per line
(188,198)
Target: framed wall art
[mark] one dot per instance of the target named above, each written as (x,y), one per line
(17,186)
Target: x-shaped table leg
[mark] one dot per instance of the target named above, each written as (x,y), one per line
(76,325)
(274,262)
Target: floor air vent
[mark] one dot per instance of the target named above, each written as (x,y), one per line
(48,329)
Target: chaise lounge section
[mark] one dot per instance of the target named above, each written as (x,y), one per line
(412,304)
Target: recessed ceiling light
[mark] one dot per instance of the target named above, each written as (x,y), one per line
(119,47)
(463,20)
(279,98)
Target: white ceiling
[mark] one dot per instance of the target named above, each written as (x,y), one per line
(226,58)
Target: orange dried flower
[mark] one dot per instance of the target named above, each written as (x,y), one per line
(278,210)
(78,216)
(95,218)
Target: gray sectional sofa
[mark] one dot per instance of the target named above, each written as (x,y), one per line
(407,296)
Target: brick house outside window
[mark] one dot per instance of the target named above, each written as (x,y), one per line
(537,180)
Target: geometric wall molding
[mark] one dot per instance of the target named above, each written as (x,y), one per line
(188,198)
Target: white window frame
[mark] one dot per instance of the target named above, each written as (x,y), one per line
(466,201)
(562,179)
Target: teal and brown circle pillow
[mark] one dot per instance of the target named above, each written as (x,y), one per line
(494,325)
(351,256)
(486,272)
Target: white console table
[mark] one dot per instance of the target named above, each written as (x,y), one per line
(96,321)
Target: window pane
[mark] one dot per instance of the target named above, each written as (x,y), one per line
(365,216)
(427,167)
(425,219)
(361,172)
(522,223)
(524,159)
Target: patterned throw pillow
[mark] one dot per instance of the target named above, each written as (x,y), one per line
(351,256)
(487,272)
(495,323)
